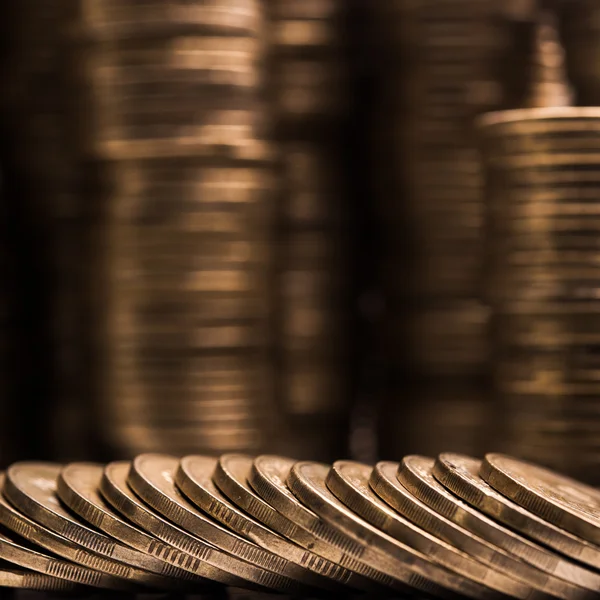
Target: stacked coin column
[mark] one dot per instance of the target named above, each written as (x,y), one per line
(442,64)
(544,185)
(308,76)
(174,110)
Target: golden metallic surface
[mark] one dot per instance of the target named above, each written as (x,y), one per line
(460,474)
(556,498)
(78,486)
(564,578)
(232,477)
(152,478)
(32,487)
(202,557)
(194,478)
(349,482)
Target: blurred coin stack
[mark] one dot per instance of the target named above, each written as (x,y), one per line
(542,277)
(47,221)
(172,111)
(308,89)
(442,64)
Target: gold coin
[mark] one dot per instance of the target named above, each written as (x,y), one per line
(152,478)
(556,498)
(193,477)
(32,487)
(78,487)
(460,474)
(349,482)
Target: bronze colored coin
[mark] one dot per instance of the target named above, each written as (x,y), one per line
(231,476)
(112,575)
(307,482)
(460,474)
(349,482)
(32,487)
(193,477)
(13,551)
(152,478)
(78,487)
(556,498)
(30,580)
(268,478)
(204,559)
(563,576)
(386,485)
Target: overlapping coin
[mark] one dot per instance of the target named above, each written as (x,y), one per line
(247,525)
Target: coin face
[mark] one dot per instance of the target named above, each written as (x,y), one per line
(78,487)
(460,474)
(416,474)
(152,477)
(561,500)
(349,482)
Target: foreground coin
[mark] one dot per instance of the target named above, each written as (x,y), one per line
(268,478)
(152,478)
(204,559)
(307,483)
(30,580)
(231,476)
(193,477)
(460,474)
(386,485)
(563,501)
(107,573)
(78,487)
(32,487)
(16,552)
(416,475)
(349,482)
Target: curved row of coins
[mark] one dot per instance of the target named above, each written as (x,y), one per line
(449,527)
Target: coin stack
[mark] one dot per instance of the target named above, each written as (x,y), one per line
(542,284)
(172,107)
(36,113)
(307,84)
(443,64)
(448,527)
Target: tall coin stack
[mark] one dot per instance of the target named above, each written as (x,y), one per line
(442,64)
(173,111)
(47,223)
(542,272)
(308,77)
